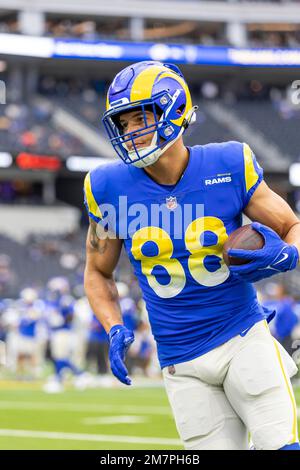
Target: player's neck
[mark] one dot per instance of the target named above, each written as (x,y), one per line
(171,165)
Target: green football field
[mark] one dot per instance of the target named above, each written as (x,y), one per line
(114,418)
(110,418)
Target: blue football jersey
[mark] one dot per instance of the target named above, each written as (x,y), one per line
(174,238)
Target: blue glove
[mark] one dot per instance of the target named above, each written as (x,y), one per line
(120,338)
(275,257)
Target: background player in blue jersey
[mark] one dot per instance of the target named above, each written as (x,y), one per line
(286,319)
(173,207)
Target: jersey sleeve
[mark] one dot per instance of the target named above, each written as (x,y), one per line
(252,174)
(239,162)
(91,197)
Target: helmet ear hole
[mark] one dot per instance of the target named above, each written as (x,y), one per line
(180,110)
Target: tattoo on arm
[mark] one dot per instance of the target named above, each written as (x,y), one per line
(97,243)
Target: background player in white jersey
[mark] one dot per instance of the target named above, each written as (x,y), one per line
(81,328)
(60,314)
(224,374)
(31,333)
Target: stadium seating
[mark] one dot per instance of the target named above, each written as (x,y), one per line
(29,127)
(40,257)
(277,121)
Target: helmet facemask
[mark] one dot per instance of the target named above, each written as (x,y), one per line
(164,134)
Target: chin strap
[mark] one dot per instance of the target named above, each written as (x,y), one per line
(154,156)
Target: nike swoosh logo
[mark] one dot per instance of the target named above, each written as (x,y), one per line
(285,256)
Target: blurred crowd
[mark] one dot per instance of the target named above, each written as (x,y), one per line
(269,109)
(53,335)
(40,257)
(288,39)
(29,127)
(7,274)
(93,29)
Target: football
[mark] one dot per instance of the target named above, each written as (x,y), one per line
(244,238)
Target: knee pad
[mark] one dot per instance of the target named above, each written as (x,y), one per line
(193,412)
(256,369)
(206,421)
(263,391)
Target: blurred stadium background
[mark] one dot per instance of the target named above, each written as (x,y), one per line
(242,61)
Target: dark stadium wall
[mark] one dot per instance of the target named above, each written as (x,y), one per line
(70,190)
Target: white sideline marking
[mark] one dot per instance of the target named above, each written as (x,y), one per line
(46,406)
(88,437)
(79,407)
(116,420)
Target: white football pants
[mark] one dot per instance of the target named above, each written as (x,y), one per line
(239,387)
(61,344)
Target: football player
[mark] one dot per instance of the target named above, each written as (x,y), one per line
(60,314)
(31,311)
(173,207)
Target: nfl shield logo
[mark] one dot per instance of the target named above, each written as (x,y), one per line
(171,203)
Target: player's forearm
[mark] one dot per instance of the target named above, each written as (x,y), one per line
(103,297)
(293,236)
